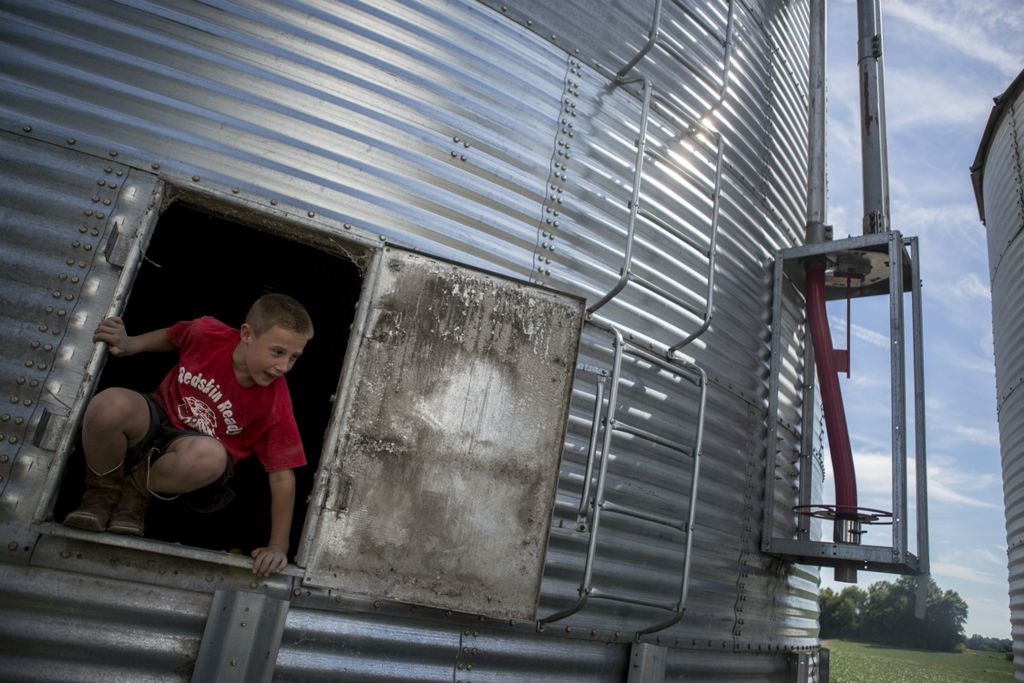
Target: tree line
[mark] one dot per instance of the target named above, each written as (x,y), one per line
(884,614)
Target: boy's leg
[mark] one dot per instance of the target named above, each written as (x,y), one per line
(114,419)
(188,463)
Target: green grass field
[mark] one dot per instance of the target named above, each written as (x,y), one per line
(860,663)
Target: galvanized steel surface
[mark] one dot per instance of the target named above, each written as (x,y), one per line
(450,441)
(469,132)
(1002,206)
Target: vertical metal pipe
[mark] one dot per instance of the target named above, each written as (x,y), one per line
(874,157)
(816,156)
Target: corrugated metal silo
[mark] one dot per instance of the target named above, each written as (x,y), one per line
(998,176)
(492,135)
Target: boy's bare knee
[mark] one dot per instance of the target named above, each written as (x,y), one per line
(111,409)
(209,459)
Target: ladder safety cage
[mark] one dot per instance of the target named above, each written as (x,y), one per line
(593,503)
(693,129)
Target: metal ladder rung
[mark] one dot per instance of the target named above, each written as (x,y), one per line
(654,438)
(597,593)
(665,294)
(675,232)
(629,511)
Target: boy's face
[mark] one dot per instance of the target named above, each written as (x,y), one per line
(260,359)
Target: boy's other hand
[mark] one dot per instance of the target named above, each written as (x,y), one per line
(267,561)
(111,331)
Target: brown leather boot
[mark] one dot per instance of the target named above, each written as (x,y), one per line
(129,517)
(102,494)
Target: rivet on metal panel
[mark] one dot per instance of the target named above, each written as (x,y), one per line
(454,154)
(6,417)
(311,214)
(119,174)
(466,144)
(95,198)
(71,141)
(12,545)
(297,592)
(26,129)
(462,157)
(235,190)
(376,605)
(82,264)
(113,152)
(155,166)
(469,667)
(88,212)
(529,22)
(383,238)
(273,202)
(233,662)
(100,215)
(28,401)
(107,169)
(106,202)
(18,420)
(195,179)
(74,280)
(554,37)
(347,226)
(13,439)
(460,666)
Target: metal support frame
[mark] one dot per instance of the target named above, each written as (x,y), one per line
(899,256)
(693,128)
(593,503)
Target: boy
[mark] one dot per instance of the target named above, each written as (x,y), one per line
(224,400)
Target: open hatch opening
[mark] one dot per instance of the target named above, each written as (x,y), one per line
(199,264)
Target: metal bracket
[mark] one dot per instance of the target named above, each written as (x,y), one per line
(241,639)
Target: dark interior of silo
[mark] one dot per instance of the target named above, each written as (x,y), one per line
(198,264)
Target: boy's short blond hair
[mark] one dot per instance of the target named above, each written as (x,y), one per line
(281,310)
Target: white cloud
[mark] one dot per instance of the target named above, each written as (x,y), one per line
(971,286)
(911,96)
(969,573)
(947,482)
(971,28)
(860,332)
(983,437)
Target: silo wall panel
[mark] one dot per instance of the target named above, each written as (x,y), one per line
(69,626)
(447,129)
(1003,193)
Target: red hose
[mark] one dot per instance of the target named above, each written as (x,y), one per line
(831,394)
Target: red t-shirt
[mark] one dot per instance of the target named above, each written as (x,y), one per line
(202,393)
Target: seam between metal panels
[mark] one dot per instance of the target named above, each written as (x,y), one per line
(557,178)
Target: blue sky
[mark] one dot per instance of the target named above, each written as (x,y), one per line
(944,62)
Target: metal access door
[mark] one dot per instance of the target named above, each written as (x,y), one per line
(439,486)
